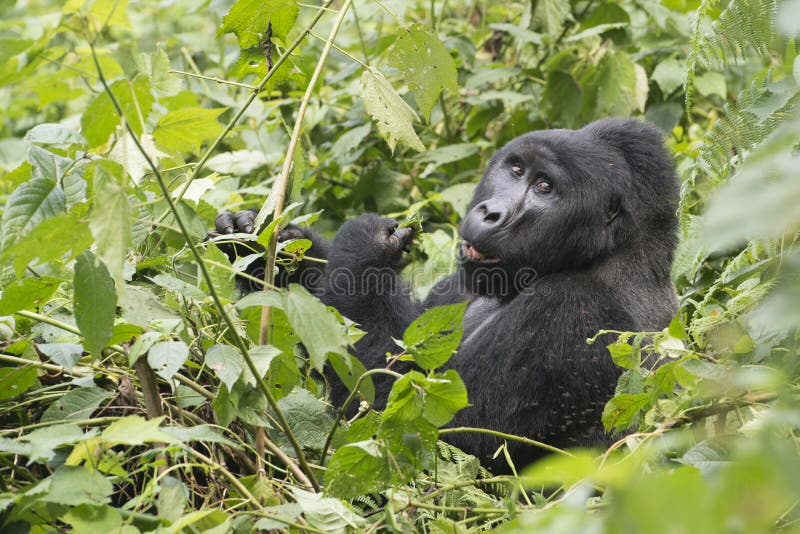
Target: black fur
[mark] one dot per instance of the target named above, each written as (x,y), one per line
(577,231)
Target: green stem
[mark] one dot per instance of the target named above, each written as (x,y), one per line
(348,400)
(503,435)
(283,180)
(238,341)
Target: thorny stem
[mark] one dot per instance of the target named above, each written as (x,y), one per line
(238,341)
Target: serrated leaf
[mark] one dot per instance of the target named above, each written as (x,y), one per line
(167,357)
(64,354)
(56,135)
(74,485)
(27,293)
(316,326)
(325,513)
(357,469)
(550,16)
(248,19)
(29,205)
(135,430)
(393,117)
(669,75)
(620,411)
(426,64)
(44,441)
(226,362)
(310,419)
(75,404)
(51,240)
(616,85)
(100,119)
(622,354)
(185,130)
(95,302)
(434,336)
(156,67)
(111,218)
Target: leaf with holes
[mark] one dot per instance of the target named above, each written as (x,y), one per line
(393,117)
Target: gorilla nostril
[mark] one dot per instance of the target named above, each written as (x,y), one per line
(492,217)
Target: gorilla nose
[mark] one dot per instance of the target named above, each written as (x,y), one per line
(490,214)
(483,219)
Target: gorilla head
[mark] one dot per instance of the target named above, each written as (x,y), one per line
(559,200)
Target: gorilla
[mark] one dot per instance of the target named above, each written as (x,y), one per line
(568,232)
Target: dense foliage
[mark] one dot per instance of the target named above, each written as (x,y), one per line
(140,392)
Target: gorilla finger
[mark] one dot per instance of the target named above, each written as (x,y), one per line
(244,221)
(290,232)
(224,223)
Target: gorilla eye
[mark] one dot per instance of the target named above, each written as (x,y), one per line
(543,184)
(518,170)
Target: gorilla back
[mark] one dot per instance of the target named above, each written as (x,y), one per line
(568,232)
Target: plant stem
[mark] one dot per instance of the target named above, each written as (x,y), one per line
(503,435)
(283,180)
(348,400)
(238,341)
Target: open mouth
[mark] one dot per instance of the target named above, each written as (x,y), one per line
(476,255)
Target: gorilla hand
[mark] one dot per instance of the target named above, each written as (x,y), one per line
(228,223)
(370,241)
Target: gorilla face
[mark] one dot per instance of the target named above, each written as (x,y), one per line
(548,202)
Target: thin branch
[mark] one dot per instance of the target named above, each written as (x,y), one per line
(238,341)
(503,435)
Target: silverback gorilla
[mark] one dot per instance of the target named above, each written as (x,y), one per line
(569,232)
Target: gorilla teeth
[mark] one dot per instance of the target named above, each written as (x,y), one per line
(475,254)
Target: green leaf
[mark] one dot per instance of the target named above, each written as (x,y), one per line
(93,518)
(393,117)
(616,80)
(51,240)
(426,65)
(27,293)
(100,119)
(550,16)
(620,411)
(111,218)
(669,75)
(76,404)
(357,469)
(156,67)
(557,469)
(185,130)
(44,441)
(316,326)
(95,302)
(248,19)
(15,381)
(436,398)
(171,498)
(136,430)
(74,485)
(622,354)
(445,395)
(325,513)
(167,357)
(562,98)
(434,336)
(226,362)
(310,419)
(29,205)
(64,354)
(204,433)
(178,286)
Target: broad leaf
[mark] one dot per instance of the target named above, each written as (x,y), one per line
(187,129)
(226,362)
(426,64)
(248,19)
(95,302)
(317,326)
(393,117)
(75,404)
(29,205)
(167,357)
(135,430)
(27,293)
(357,469)
(434,336)
(100,119)
(111,218)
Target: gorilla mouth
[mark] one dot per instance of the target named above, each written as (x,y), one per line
(476,255)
